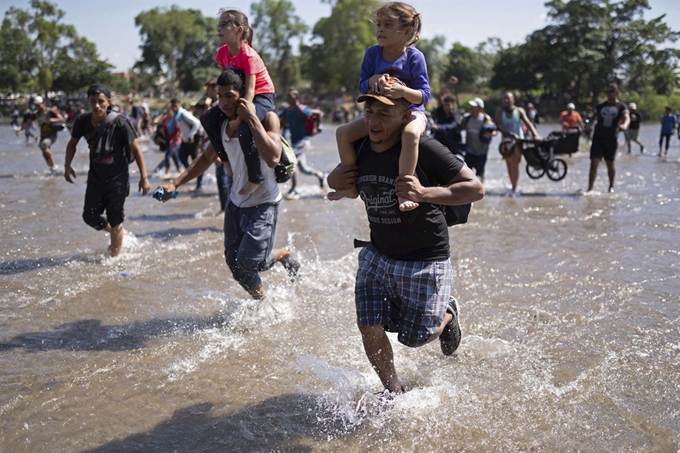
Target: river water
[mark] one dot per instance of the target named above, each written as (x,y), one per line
(569,308)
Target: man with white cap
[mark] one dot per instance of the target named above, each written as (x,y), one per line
(46,120)
(479,129)
(633,132)
(571,119)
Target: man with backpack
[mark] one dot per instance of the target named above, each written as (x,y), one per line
(479,129)
(49,121)
(404,278)
(302,121)
(250,220)
(113,145)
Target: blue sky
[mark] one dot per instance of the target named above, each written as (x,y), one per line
(110,24)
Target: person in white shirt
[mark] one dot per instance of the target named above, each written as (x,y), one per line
(250,220)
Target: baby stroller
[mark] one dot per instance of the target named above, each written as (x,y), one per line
(540,154)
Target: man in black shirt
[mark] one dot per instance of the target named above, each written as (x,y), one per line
(404,279)
(446,127)
(113,143)
(633,133)
(610,117)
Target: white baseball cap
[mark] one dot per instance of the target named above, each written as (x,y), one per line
(632,106)
(476,102)
(571,106)
(38,100)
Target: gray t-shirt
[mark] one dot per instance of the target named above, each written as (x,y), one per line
(473,125)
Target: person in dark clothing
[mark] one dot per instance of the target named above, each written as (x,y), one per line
(633,132)
(113,144)
(610,117)
(404,279)
(446,128)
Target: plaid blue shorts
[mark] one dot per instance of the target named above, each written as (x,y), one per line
(407,297)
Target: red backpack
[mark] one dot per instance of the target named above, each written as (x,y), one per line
(312,123)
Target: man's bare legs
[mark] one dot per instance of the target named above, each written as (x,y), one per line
(117,233)
(611,173)
(281,255)
(379,352)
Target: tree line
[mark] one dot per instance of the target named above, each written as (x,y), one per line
(585,44)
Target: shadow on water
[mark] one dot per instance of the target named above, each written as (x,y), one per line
(172,233)
(282,423)
(13,267)
(162,217)
(90,335)
(504,194)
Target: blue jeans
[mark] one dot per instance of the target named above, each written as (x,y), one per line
(224,182)
(249,241)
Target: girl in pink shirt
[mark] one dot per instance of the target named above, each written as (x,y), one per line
(236,53)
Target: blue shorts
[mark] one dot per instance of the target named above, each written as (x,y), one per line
(407,297)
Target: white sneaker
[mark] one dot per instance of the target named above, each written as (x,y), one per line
(54,168)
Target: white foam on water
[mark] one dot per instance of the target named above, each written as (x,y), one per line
(215,343)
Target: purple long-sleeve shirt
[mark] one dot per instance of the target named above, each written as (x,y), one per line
(410,68)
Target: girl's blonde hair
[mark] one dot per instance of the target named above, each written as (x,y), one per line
(406,15)
(239,19)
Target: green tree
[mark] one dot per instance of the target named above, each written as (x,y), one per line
(593,42)
(488,53)
(41,53)
(77,66)
(333,60)
(519,67)
(179,43)
(436,59)
(276,27)
(16,56)
(462,63)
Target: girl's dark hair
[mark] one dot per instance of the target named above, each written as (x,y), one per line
(406,15)
(232,77)
(239,19)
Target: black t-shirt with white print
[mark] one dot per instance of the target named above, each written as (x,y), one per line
(113,164)
(418,235)
(608,117)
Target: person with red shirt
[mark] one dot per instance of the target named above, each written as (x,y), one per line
(236,36)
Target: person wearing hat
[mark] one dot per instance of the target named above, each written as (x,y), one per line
(571,119)
(633,132)
(479,129)
(46,120)
(404,279)
(112,141)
